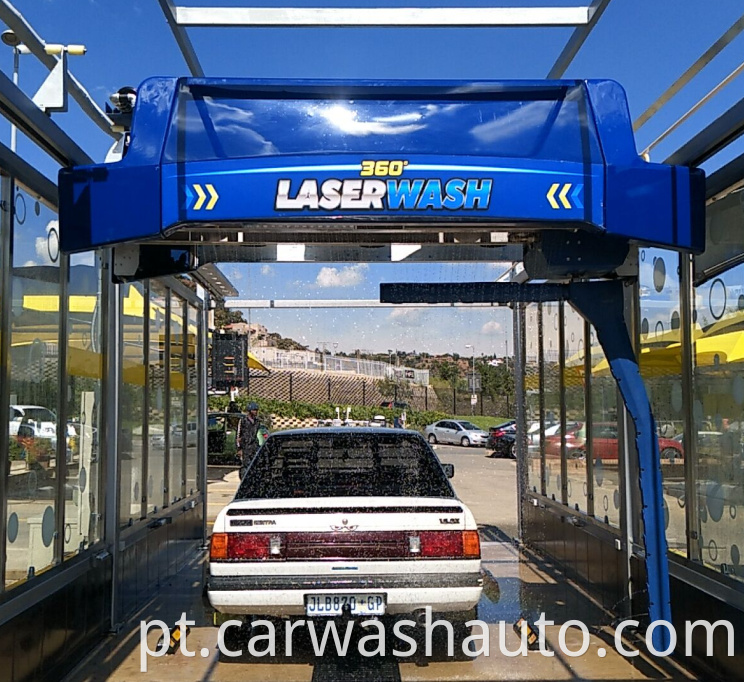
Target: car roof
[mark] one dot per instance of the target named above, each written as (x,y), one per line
(346,430)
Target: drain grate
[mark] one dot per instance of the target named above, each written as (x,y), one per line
(356,669)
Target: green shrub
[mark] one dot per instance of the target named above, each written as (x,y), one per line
(300,410)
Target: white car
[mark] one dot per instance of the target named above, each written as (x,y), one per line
(41,419)
(345,521)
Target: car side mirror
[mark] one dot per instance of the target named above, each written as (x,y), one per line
(449,470)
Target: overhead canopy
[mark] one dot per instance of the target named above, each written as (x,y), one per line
(213,155)
(255,363)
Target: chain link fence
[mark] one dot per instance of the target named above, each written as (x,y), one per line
(326,387)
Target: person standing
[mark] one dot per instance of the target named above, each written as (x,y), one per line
(248,437)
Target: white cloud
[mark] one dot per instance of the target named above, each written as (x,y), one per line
(44,245)
(407,317)
(491,327)
(267,271)
(235,274)
(349,276)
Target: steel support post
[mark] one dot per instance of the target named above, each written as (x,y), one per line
(686,303)
(6,282)
(520,411)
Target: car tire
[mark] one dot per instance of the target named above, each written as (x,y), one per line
(432,439)
(578,454)
(236,639)
(670,454)
(461,633)
(465,442)
(513,451)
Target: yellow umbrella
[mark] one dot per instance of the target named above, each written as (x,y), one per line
(255,363)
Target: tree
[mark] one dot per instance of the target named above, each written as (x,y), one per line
(447,371)
(223,317)
(496,381)
(395,389)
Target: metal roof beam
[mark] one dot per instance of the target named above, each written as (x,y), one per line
(290,304)
(25,174)
(182,38)
(357,253)
(26,34)
(714,137)
(381,16)
(726,179)
(577,39)
(706,58)
(21,111)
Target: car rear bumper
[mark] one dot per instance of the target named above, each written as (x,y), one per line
(285,595)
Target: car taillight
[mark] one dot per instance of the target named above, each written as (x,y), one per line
(218,547)
(441,543)
(451,544)
(249,546)
(471,544)
(246,546)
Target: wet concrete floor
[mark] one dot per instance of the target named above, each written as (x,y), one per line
(517,584)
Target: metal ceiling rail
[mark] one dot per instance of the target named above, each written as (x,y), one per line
(382,16)
(22,112)
(26,34)
(707,57)
(345,303)
(182,39)
(357,253)
(725,180)
(714,137)
(32,180)
(577,39)
(695,107)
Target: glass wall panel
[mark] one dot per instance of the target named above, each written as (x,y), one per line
(661,367)
(532,396)
(131,402)
(83,507)
(605,437)
(552,399)
(177,398)
(156,407)
(193,444)
(574,381)
(34,390)
(718,412)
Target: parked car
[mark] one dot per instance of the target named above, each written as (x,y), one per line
(335,521)
(394,404)
(605,443)
(505,445)
(42,419)
(222,429)
(454,431)
(192,434)
(497,432)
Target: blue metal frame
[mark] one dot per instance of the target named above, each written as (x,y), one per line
(518,155)
(602,304)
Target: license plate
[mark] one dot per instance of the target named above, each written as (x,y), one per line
(334,604)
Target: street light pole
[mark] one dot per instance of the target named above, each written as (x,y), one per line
(472,385)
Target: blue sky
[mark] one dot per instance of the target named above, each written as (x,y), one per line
(644,44)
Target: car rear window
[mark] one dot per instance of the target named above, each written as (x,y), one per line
(345,465)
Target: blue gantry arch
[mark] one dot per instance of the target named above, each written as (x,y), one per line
(513,154)
(552,159)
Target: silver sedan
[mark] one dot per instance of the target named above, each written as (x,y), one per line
(455,431)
